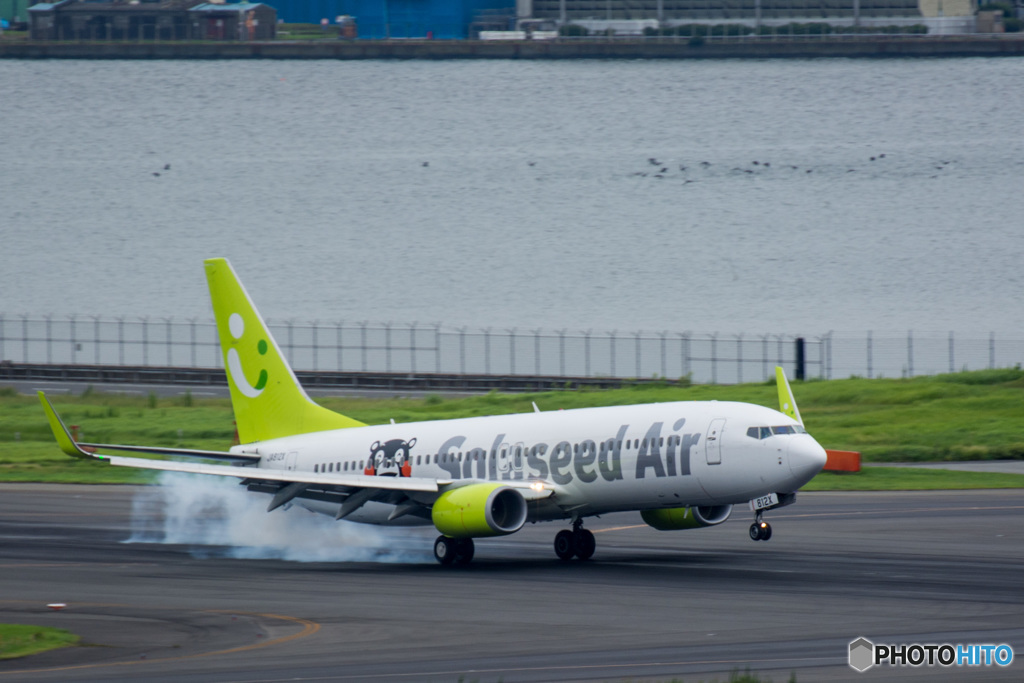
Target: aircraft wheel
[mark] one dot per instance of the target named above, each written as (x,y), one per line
(564,546)
(755,532)
(584,544)
(766,532)
(444,549)
(464,549)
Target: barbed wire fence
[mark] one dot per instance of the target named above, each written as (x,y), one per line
(416,349)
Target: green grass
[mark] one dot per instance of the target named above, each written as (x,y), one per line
(911,479)
(965,416)
(17,640)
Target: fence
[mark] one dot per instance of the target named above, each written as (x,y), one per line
(418,349)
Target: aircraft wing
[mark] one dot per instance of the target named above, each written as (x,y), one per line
(250,472)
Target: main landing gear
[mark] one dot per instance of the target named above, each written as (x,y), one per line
(458,550)
(760,530)
(576,543)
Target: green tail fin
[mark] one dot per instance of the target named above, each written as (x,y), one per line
(787,404)
(265,394)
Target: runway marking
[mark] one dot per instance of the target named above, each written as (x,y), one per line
(50,565)
(848,513)
(819,661)
(309,628)
(947,508)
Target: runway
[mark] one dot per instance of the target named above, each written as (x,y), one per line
(921,567)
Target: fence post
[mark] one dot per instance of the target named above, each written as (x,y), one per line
(586,352)
(316,343)
(561,352)
(536,352)
(801,359)
(120,340)
(387,346)
(145,340)
(167,331)
(96,338)
(192,338)
(49,336)
(512,351)
(684,352)
(764,356)
(714,358)
(910,353)
(487,350)
(664,354)
(611,336)
(739,358)
(991,350)
(462,350)
(828,353)
(339,344)
(437,347)
(636,349)
(362,339)
(951,360)
(869,355)
(74,342)
(24,337)
(2,337)
(412,347)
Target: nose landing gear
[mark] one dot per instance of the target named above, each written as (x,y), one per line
(760,530)
(576,543)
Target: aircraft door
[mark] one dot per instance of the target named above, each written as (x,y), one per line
(289,463)
(713,441)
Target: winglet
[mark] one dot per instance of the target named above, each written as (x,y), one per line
(787,404)
(60,432)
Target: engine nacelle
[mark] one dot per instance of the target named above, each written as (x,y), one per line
(673,519)
(479,510)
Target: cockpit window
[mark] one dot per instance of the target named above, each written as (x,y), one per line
(765,432)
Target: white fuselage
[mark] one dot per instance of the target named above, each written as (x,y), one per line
(595,460)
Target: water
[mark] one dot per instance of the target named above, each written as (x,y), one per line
(509,194)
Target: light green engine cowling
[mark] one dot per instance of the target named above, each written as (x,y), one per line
(479,510)
(673,519)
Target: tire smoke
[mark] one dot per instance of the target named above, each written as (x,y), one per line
(218,518)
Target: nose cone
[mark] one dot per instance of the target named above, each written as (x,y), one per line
(806,458)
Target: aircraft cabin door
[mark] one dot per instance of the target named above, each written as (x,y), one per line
(289,463)
(713,441)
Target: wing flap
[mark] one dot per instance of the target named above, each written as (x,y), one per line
(284,476)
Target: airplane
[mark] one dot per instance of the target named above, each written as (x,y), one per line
(682,465)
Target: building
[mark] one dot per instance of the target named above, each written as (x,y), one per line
(377,19)
(236,21)
(151,20)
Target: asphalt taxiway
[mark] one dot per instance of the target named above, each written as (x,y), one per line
(922,567)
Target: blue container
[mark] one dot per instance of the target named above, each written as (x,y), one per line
(379,19)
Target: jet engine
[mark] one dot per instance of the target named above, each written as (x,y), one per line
(673,519)
(479,510)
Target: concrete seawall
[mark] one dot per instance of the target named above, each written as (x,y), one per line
(804,48)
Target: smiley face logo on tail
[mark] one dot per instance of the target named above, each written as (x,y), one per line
(237,327)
